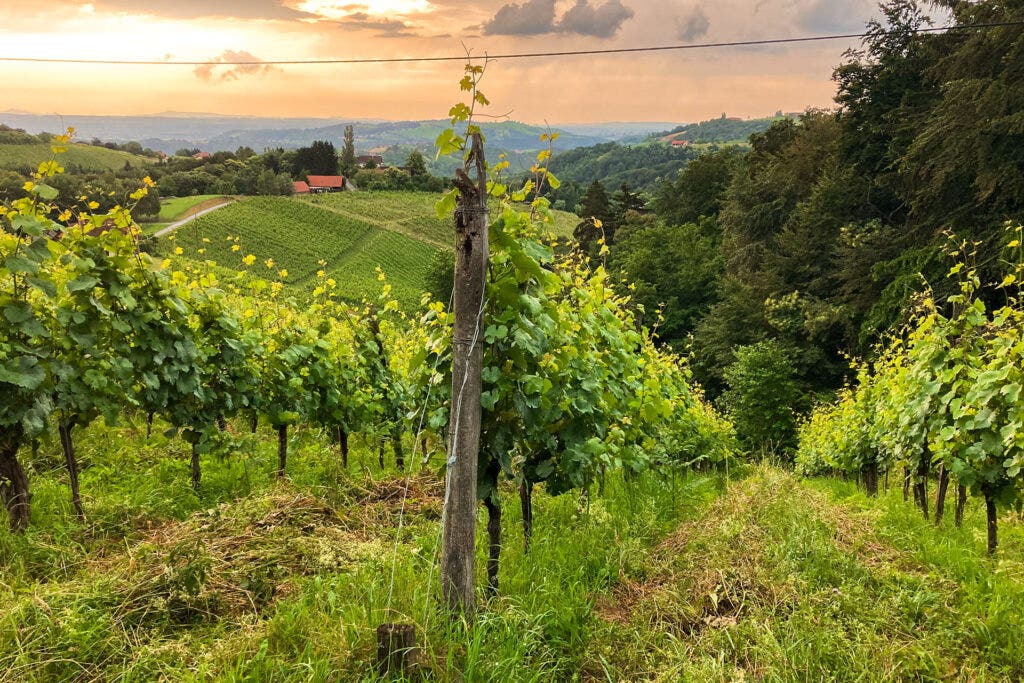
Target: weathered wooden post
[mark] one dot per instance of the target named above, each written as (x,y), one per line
(458,553)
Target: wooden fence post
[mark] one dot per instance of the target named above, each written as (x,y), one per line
(458,552)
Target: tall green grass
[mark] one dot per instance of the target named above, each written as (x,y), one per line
(97,601)
(662,578)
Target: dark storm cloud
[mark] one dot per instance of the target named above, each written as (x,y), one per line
(532,18)
(537,17)
(600,21)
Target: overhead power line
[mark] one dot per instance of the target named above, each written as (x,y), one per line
(515,55)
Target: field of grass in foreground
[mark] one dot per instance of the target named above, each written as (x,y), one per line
(663,578)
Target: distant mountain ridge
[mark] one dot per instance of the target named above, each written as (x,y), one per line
(640,153)
(170,131)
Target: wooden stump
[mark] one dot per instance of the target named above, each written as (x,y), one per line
(396,648)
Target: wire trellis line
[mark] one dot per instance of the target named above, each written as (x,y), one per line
(511,55)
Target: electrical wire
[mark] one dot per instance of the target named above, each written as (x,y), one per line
(514,55)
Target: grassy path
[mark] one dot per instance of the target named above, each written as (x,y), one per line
(661,579)
(195,212)
(788,581)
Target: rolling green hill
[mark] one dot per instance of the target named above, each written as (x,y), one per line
(721,131)
(412,214)
(297,235)
(354,232)
(78,157)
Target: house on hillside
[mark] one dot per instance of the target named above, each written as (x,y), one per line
(201,155)
(301,187)
(376,159)
(325,183)
(680,143)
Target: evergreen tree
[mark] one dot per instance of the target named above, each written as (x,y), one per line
(348,152)
(595,207)
(626,200)
(699,190)
(320,158)
(416,164)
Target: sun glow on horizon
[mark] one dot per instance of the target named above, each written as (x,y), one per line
(341,9)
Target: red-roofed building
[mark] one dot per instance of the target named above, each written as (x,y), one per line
(201,155)
(301,187)
(325,183)
(680,143)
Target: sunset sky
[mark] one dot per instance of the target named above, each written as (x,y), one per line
(678,86)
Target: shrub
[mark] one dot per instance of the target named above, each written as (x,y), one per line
(761,396)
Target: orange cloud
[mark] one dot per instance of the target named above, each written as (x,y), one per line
(207,72)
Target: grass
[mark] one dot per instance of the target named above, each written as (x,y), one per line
(297,235)
(254,579)
(412,214)
(354,232)
(663,578)
(152,228)
(175,208)
(78,156)
(785,581)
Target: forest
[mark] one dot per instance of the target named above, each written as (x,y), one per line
(816,242)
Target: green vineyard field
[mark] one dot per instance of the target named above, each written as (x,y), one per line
(412,213)
(297,235)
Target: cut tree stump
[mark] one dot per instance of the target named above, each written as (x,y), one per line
(396,649)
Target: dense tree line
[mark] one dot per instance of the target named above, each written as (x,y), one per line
(722,129)
(641,166)
(242,172)
(107,188)
(819,236)
(413,176)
